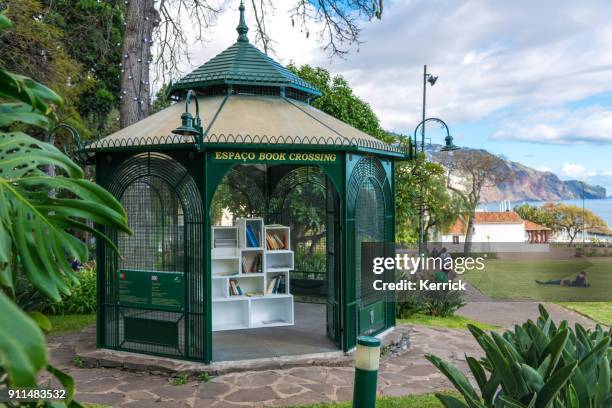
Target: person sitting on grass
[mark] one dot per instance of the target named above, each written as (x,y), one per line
(580,281)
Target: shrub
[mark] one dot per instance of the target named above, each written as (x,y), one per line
(442,303)
(82,298)
(439,303)
(537,365)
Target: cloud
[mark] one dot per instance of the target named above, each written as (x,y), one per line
(560,126)
(574,171)
(496,60)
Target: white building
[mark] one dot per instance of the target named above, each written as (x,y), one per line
(489,227)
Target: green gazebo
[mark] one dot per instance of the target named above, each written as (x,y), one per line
(254,149)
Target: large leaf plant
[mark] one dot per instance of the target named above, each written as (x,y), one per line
(38,217)
(538,365)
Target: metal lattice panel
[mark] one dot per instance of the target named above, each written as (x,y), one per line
(165,212)
(369,227)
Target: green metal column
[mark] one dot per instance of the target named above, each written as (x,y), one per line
(349,288)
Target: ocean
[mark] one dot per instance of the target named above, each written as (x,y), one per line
(601,207)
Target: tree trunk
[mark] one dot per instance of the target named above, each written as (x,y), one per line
(467,247)
(140,20)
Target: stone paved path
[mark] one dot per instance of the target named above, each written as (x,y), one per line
(406,374)
(507,313)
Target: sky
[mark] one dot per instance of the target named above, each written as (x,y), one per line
(531,80)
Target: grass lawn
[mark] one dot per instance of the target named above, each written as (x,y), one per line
(70,323)
(452,322)
(599,311)
(410,401)
(503,279)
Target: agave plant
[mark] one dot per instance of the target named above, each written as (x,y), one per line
(538,365)
(38,215)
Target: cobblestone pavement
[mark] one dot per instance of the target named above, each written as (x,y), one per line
(408,373)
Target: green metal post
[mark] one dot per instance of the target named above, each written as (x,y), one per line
(367,359)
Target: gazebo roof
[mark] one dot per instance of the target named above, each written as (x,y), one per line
(243,64)
(249,120)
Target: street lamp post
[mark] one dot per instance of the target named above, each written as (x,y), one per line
(448,146)
(432,81)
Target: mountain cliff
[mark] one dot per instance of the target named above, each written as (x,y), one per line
(529,184)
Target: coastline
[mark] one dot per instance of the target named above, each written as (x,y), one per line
(600,206)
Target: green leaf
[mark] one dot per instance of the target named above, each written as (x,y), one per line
(543,312)
(537,335)
(22,345)
(20,112)
(451,402)
(488,393)
(580,385)
(588,364)
(66,380)
(544,365)
(603,382)
(508,380)
(41,320)
(477,371)
(572,397)
(4,22)
(24,156)
(26,90)
(532,377)
(552,387)
(455,376)
(554,349)
(511,402)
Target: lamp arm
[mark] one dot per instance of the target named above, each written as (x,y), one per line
(191,93)
(440,121)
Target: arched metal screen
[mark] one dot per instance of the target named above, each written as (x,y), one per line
(370,211)
(152,297)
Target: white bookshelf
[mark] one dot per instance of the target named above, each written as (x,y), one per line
(256,307)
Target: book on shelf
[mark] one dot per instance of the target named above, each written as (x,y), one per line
(253,265)
(253,294)
(252,240)
(271,285)
(275,285)
(235,288)
(274,242)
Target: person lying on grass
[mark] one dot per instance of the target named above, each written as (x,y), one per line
(580,281)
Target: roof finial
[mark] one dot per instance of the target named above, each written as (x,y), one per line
(242,27)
